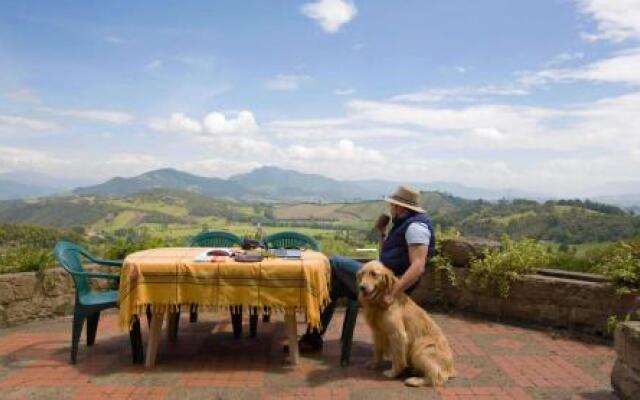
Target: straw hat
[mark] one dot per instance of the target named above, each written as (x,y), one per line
(406,197)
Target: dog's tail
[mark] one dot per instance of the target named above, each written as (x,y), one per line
(426,359)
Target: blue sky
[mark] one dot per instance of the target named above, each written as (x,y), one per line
(535,95)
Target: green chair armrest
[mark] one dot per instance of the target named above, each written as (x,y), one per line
(108,263)
(99,275)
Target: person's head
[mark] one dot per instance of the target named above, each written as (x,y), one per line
(397,211)
(404,200)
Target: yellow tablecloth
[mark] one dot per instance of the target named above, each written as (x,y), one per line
(170,277)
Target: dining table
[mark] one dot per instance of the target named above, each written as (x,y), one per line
(162,280)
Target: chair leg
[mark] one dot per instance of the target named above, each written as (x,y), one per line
(172,326)
(78,321)
(253,322)
(348,326)
(137,351)
(236,322)
(92,327)
(193,313)
(266,316)
(149,316)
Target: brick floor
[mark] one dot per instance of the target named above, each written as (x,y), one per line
(494,361)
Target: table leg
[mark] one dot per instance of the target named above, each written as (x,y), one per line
(292,334)
(154,338)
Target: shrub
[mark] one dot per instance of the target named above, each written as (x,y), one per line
(501,267)
(23,259)
(623,265)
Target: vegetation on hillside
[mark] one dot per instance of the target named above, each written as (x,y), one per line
(569,234)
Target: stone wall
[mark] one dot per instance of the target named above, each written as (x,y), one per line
(567,300)
(625,377)
(558,302)
(26,296)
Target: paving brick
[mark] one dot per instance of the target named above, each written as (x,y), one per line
(543,371)
(494,361)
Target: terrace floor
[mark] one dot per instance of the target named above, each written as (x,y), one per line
(494,361)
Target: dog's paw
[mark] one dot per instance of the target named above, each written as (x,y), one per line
(391,373)
(415,382)
(373,364)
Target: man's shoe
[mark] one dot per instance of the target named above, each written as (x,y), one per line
(310,343)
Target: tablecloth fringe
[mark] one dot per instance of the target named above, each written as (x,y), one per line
(141,309)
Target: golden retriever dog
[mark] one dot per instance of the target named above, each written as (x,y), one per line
(402,331)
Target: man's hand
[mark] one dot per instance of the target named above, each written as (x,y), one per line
(381,224)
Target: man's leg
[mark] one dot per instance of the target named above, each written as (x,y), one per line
(343,284)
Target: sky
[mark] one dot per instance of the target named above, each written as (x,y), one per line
(542,95)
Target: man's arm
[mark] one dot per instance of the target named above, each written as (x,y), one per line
(418,256)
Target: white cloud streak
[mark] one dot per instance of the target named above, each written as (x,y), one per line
(16,122)
(93,114)
(287,83)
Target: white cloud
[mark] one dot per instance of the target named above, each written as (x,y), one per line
(236,126)
(15,122)
(21,159)
(344,92)
(220,167)
(623,67)
(334,129)
(496,116)
(177,122)
(617,20)
(219,124)
(154,65)
(461,69)
(22,95)
(459,93)
(330,14)
(565,57)
(344,150)
(133,163)
(113,39)
(287,82)
(93,114)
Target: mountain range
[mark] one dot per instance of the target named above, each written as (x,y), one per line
(271,183)
(277,184)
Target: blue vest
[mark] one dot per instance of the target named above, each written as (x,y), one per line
(395,250)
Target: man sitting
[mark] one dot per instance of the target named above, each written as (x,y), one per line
(404,250)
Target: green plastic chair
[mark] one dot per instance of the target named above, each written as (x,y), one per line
(348,326)
(89,304)
(220,239)
(215,239)
(290,240)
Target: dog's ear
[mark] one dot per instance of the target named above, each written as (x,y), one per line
(389,280)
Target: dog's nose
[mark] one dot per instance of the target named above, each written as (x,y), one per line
(362,288)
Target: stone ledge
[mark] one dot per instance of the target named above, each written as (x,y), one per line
(553,301)
(28,296)
(625,377)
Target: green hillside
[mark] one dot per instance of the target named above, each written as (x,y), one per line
(171,212)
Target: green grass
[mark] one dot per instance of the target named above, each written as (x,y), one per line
(145,205)
(507,219)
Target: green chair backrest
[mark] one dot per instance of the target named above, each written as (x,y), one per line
(68,256)
(290,240)
(215,239)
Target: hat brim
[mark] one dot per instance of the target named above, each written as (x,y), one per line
(405,205)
